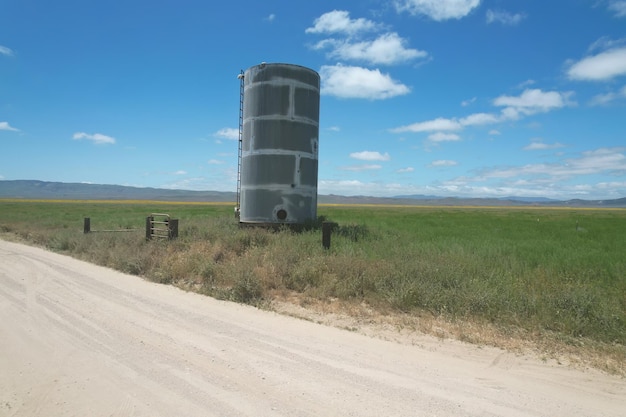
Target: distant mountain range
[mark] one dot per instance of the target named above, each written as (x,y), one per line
(512,198)
(32,189)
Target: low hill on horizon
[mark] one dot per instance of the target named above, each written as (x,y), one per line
(34,189)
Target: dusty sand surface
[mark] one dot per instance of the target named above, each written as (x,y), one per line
(81,340)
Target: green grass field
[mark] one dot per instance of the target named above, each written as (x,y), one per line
(543,273)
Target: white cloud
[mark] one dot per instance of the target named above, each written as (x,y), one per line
(618,7)
(466,103)
(6,126)
(494,132)
(271,17)
(437,10)
(564,178)
(338,21)
(357,82)
(443,137)
(97,138)
(479,119)
(387,49)
(532,101)
(603,160)
(180,172)
(214,162)
(334,128)
(227,133)
(601,67)
(443,163)
(5,51)
(504,17)
(525,84)
(539,145)
(365,167)
(611,185)
(607,98)
(404,170)
(605,43)
(438,124)
(370,156)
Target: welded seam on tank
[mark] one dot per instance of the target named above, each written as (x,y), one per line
(299,119)
(277,151)
(280,82)
(304,190)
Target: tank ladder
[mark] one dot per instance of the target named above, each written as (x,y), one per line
(240,140)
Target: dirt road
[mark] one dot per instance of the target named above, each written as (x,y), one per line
(78,340)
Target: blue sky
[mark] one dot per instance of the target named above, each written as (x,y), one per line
(468,98)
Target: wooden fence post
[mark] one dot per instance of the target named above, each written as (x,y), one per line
(87,225)
(173,228)
(149,220)
(327,228)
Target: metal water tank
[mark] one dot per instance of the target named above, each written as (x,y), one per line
(279,145)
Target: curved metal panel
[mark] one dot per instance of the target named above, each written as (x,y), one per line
(280,144)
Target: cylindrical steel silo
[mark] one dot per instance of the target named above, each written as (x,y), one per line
(279,145)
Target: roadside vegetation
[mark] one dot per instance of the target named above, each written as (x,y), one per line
(551,280)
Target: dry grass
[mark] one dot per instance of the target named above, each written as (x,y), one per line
(411,329)
(529,281)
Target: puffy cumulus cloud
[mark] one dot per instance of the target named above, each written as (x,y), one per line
(227,133)
(437,10)
(7,126)
(603,66)
(532,101)
(97,138)
(350,43)
(357,82)
(338,21)
(506,18)
(387,49)
(370,156)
